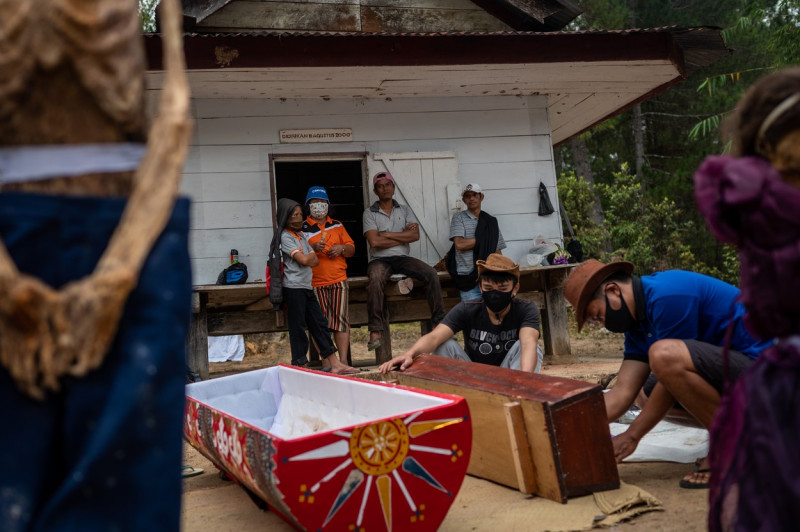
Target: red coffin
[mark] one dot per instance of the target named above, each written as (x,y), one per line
(334,453)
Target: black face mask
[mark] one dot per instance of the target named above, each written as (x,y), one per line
(619,321)
(496,300)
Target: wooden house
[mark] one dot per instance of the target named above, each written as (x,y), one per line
(289,94)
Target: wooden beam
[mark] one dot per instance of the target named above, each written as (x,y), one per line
(520,450)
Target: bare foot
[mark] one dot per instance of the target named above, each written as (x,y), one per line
(699,477)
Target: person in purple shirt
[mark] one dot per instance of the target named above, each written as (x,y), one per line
(752,199)
(675,324)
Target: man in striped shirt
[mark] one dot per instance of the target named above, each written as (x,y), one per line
(475,235)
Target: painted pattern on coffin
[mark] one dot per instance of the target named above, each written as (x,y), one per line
(401,473)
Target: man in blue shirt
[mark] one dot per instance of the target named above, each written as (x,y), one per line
(675,325)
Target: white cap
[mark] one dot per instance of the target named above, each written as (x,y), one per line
(472,187)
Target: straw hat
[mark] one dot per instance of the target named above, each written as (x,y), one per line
(584,281)
(498,263)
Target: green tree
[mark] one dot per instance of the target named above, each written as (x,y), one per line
(651,233)
(147,10)
(668,158)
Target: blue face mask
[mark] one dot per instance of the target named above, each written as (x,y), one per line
(496,300)
(619,321)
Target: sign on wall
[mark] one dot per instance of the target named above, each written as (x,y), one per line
(316,135)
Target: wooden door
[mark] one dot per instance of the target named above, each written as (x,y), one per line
(425,182)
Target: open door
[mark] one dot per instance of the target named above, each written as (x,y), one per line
(343,179)
(425,181)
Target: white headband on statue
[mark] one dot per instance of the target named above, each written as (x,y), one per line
(776,113)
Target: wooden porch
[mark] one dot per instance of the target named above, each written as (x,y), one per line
(219,310)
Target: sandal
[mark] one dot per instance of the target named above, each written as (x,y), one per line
(189,471)
(374,344)
(697,469)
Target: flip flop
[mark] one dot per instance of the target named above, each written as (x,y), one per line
(689,485)
(189,471)
(326,370)
(375,344)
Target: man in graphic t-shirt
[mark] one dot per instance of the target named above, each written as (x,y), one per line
(499,329)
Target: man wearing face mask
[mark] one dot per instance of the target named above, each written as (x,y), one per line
(499,329)
(675,324)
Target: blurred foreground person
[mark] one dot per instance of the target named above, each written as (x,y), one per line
(95,282)
(752,200)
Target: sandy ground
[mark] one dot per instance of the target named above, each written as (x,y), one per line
(211,504)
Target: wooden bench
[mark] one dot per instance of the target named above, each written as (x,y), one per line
(219,310)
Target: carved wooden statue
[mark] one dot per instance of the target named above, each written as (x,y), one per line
(71,73)
(94,270)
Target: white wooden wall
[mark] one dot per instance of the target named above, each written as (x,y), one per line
(502,143)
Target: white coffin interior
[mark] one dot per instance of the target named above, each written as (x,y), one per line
(290,403)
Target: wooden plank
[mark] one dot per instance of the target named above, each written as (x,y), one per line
(226,186)
(520,450)
(428,20)
(231,214)
(321,16)
(584,473)
(227,108)
(387,126)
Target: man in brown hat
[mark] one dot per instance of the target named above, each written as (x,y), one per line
(675,323)
(499,329)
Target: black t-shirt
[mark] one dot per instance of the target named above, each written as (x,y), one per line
(485,342)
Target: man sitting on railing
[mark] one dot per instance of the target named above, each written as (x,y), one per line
(499,329)
(389,229)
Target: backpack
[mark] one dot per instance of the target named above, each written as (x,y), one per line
(274,277)
(233,274)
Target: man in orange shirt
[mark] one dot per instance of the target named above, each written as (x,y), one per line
(331,242)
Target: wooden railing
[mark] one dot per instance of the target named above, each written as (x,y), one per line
(240,309)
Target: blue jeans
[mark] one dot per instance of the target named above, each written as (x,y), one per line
(109,441)
(469,295)
(512,360)
(379,271)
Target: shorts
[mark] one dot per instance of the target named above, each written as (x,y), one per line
(709,361)
(334,300)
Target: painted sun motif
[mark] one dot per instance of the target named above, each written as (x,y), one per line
(379,457)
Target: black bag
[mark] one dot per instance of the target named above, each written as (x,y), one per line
(574,248)
(275,282)
(463,282)
(233,274)
(545,205)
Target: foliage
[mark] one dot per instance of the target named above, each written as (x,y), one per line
(147,10)
(577,196)
(650,233)
(764,35)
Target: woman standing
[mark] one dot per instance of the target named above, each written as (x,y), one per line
(752,200)
(331,242)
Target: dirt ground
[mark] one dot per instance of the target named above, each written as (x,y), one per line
(211,504)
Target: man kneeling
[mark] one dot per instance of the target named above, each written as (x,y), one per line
(499,329)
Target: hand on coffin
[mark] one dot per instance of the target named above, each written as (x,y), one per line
(403,361)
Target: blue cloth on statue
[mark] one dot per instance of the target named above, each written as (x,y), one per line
(104,453)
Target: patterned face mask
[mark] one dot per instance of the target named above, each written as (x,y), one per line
(318,209)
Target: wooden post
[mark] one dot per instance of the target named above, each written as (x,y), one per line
(555,326)
(425,326)
(197,352)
